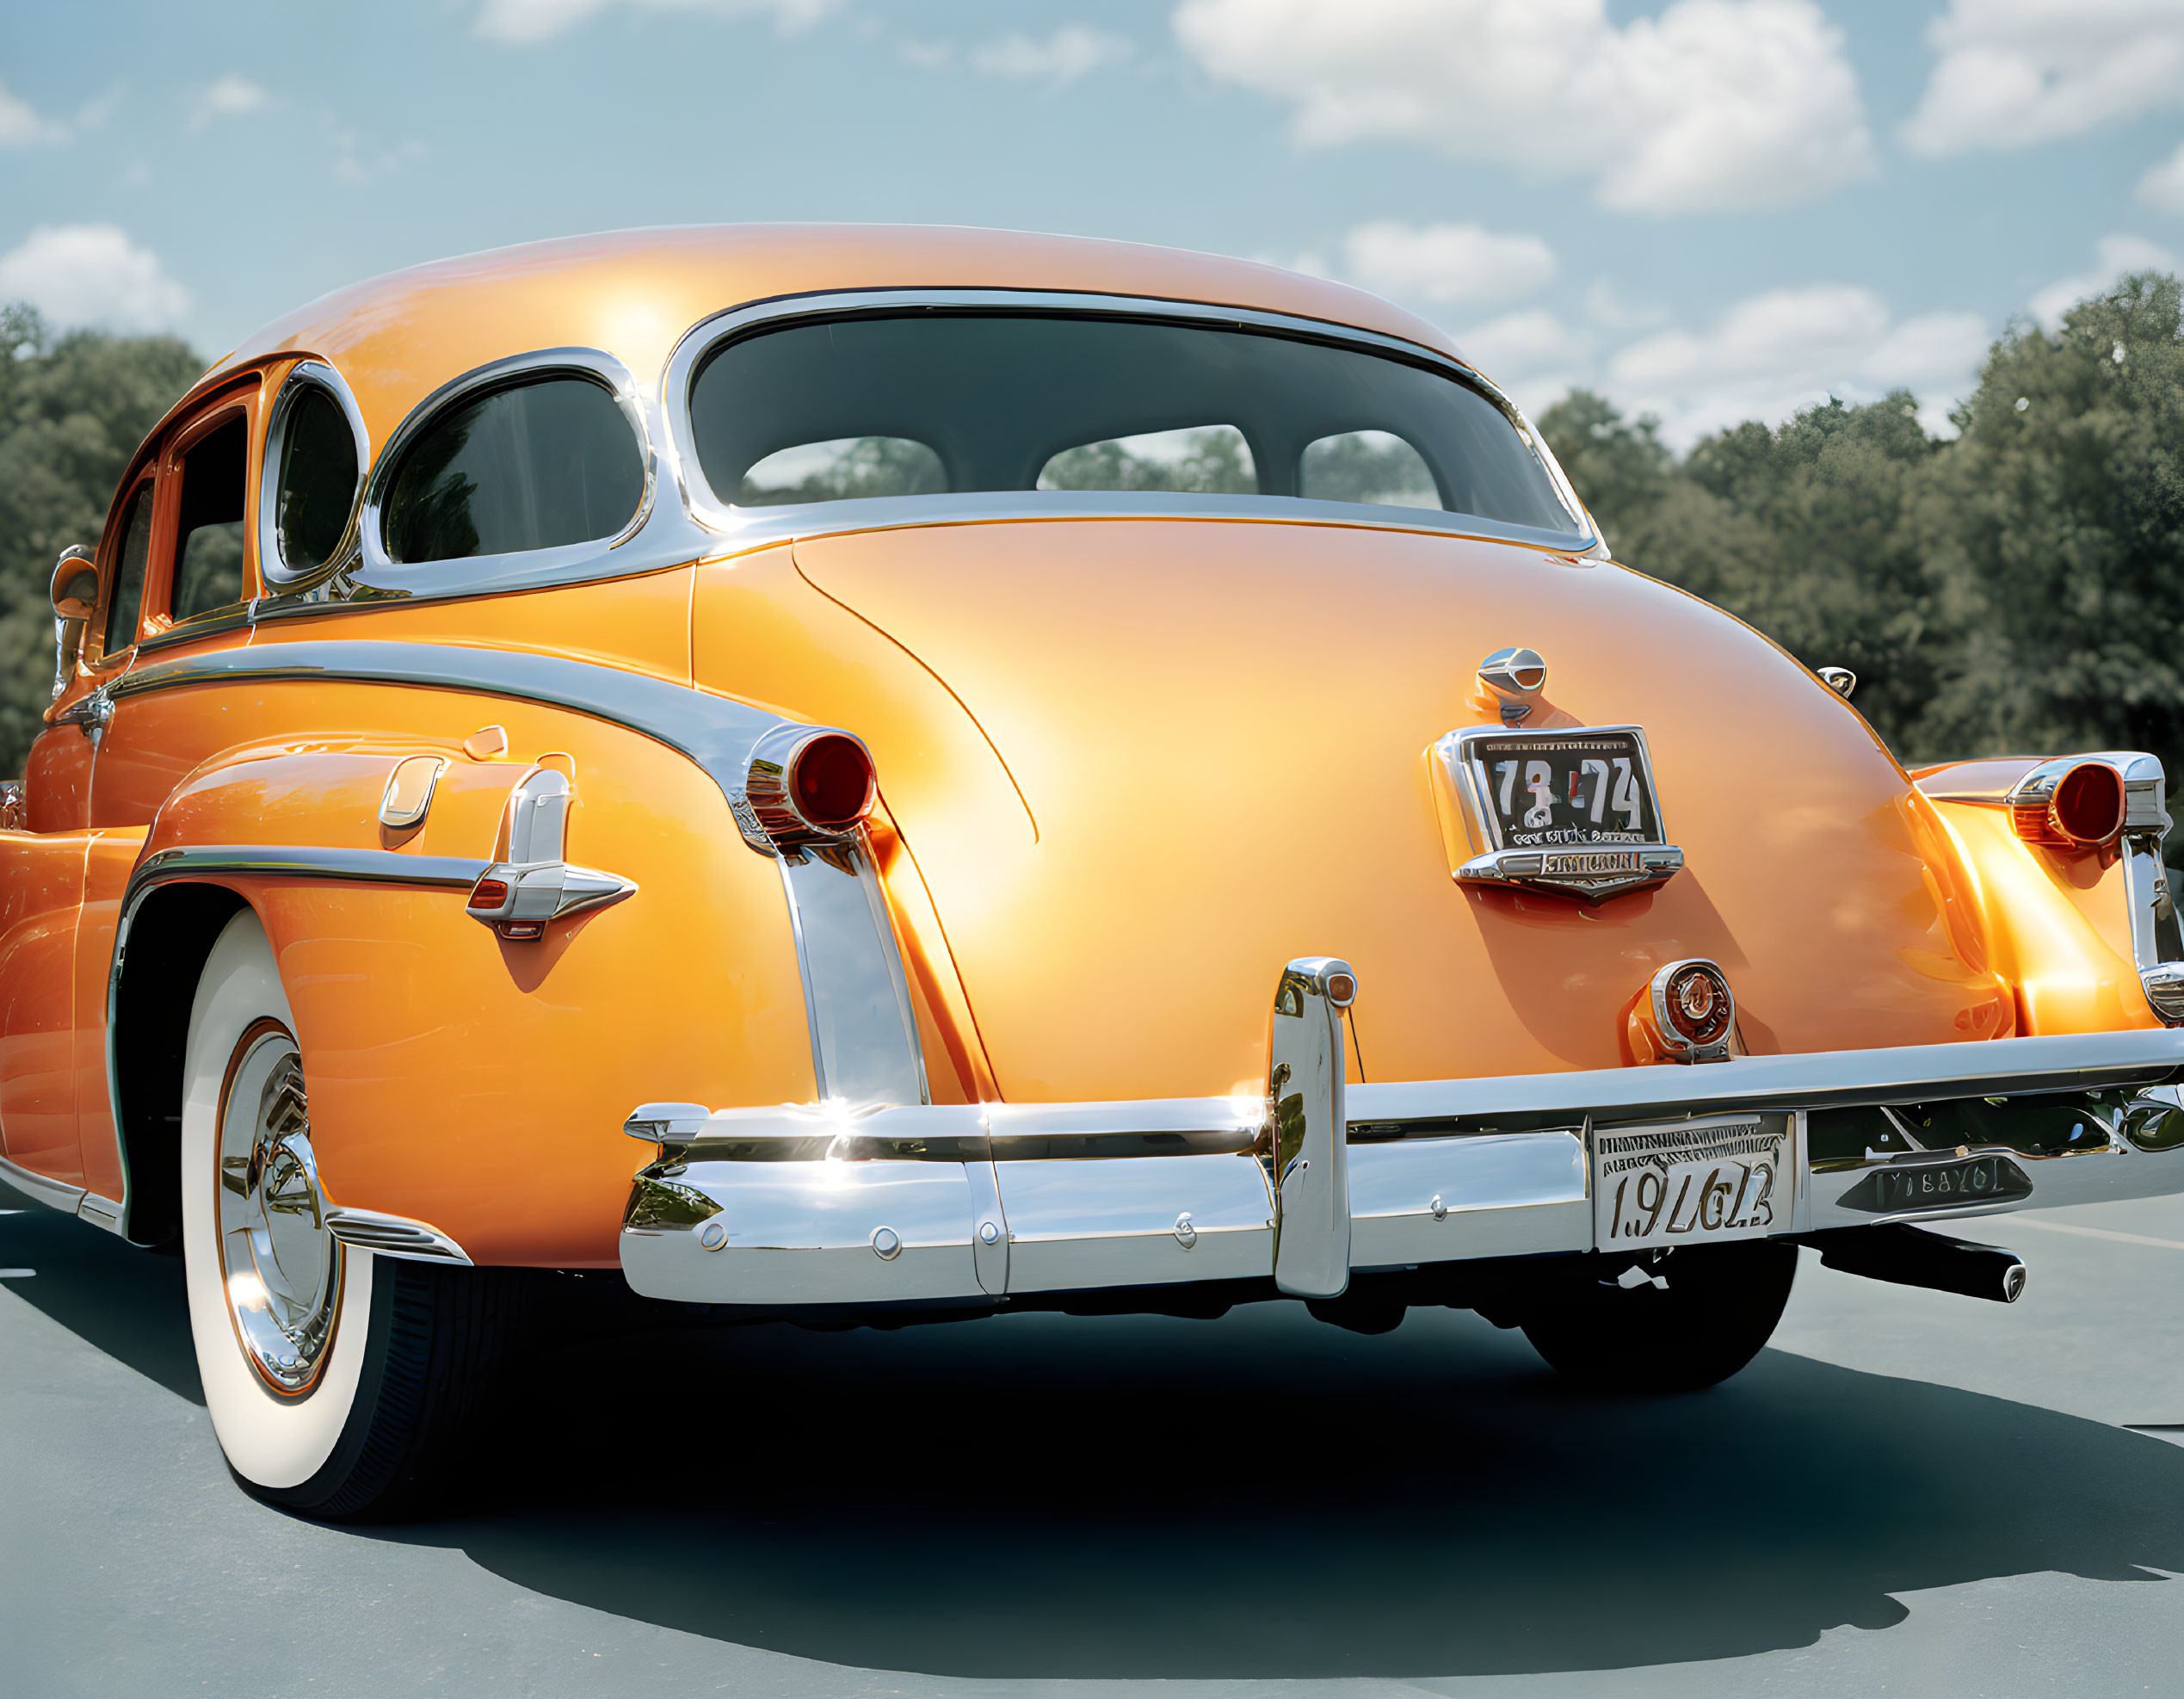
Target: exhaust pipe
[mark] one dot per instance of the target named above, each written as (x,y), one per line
(1906,1256)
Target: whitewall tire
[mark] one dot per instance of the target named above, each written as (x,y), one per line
(334,1377)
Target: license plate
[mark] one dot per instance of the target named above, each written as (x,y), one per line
(1581,790)
(1691,1182)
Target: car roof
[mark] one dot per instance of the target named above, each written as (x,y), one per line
(634,294)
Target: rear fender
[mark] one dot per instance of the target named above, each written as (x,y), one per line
(458,1077)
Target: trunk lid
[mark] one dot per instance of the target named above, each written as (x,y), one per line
(1221,728)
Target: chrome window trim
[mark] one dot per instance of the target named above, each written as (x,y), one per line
(376,574)
(751,527)
(273,568)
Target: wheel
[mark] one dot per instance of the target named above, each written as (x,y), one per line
(1721,1306)
(335,1377)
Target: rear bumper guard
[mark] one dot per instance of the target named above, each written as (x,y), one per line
(941,1204)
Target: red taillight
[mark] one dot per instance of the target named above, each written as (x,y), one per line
(831,779)
(489,893)
(2088,805)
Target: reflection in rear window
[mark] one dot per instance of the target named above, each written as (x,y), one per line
(535,465)
(923,404)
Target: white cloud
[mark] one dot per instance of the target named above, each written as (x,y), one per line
(926,55)
(232,97)
(1070,52)
(1713,106)
(523,22)
(22,127)
(92,274)
(1772,354)
(2112,257)
(1606,305)
(1531,353)
(1460,264)
(2013,72)
(2163,188)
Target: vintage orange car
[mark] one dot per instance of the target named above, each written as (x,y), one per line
(1028,773)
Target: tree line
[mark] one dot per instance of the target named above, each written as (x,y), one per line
(2017,587)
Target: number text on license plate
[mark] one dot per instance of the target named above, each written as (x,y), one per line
(1689,1182)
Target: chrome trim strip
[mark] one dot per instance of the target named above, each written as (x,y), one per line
(100,1212)
(273,567)
(865,1045)
(394,1236)
(1909,1074)
(751,527)
(370,867)
(53,1194)
(715,731)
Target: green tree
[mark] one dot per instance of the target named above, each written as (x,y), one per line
(72,410)
(1802,532)
(2054,528)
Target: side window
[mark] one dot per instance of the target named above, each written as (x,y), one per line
(537,466)
(208,523)
(316,487)
(127,607)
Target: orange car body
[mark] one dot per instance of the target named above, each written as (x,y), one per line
(1131,762)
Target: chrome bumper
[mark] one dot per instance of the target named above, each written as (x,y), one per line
(783,1209)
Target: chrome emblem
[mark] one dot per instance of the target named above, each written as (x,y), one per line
(1512,675)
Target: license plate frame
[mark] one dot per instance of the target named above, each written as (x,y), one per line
(1582,788)
(1718,1178)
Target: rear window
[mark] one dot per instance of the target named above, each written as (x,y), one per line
(929,403)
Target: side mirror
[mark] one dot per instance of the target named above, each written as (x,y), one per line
(74,598)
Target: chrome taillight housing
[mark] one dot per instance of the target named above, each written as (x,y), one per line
(2074,803)
(805,784)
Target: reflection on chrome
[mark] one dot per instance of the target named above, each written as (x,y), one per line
(1311,1154)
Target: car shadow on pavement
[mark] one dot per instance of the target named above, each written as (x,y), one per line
(1038,1496)
(128,1303)
(1264,1495)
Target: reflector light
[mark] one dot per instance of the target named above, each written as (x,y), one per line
(1341,990)
(831,779)
(1691,1013)
(2088,805)
(489,893)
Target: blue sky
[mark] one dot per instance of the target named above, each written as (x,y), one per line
(1711,209)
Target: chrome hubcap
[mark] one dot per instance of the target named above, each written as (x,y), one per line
(280,1266)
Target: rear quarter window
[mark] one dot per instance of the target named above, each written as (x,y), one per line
(534,466)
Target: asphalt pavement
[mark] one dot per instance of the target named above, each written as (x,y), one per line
(1909,1493)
